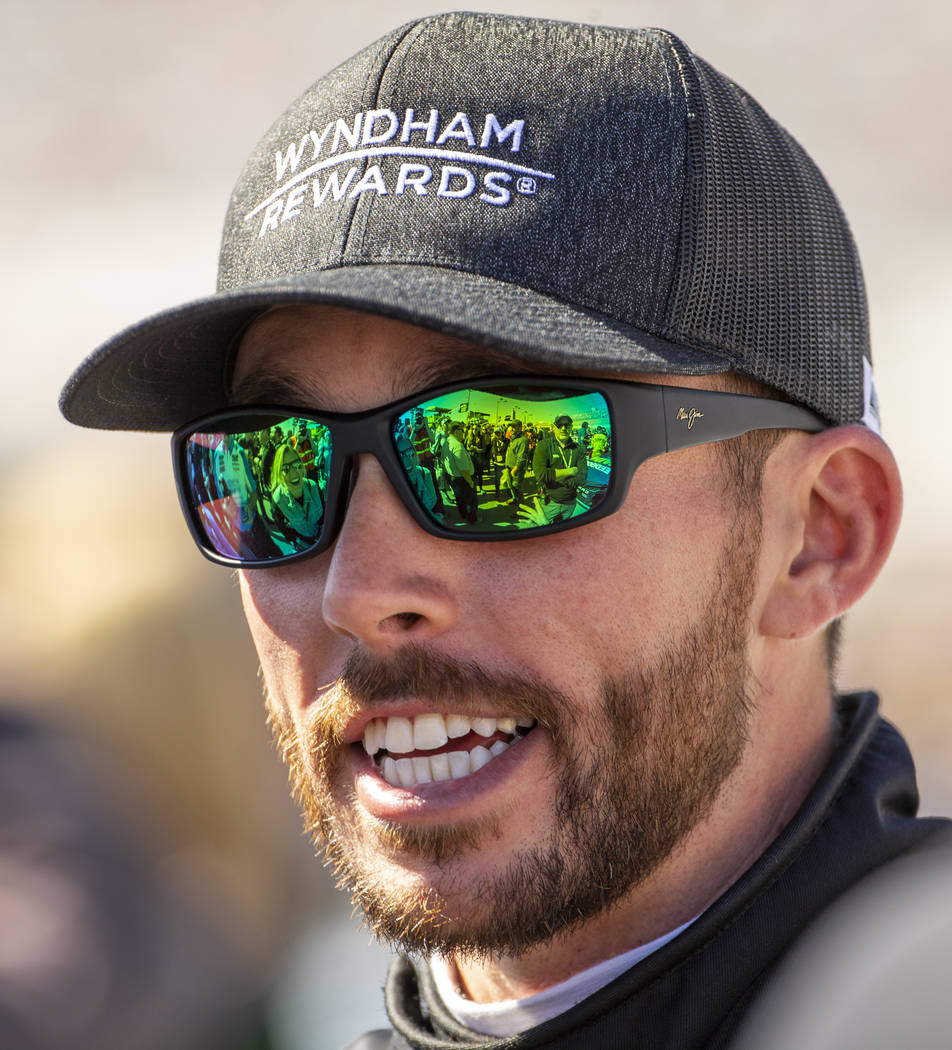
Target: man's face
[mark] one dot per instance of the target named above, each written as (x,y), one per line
(563,431)
(622,643)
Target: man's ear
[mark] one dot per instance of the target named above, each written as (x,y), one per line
(837,499)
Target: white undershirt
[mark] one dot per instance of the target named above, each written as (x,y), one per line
(516,1015)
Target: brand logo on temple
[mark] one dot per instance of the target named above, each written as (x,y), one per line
(689,416)
(456,157)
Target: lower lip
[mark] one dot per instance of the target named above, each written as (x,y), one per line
(439,798)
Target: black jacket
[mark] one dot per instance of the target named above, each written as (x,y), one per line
(692,993)
(548,456)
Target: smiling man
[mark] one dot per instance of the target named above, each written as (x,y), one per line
(585,767)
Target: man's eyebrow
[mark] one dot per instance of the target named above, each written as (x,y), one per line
(271,387)
(449,364)
(462,364)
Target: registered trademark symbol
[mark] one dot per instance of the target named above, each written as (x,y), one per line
(526,185)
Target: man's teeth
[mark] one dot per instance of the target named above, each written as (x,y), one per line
(454,765)
(429,732)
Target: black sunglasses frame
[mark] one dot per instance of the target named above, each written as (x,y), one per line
(647,419)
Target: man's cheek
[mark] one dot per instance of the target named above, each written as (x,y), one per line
(295,647)
(287,602)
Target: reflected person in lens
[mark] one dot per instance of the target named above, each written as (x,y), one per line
(296,496)
(517,456)
(560,467)
(419,477)
(235,481)
(461,470)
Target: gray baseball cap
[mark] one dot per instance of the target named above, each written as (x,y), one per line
(584,196)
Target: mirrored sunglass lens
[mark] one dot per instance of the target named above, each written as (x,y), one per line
(259,494)
(495,459)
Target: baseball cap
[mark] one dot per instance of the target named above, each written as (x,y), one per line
(584,196)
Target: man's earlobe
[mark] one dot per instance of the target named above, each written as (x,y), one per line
(847,497)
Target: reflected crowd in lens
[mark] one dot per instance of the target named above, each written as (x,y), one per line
(505,458)
(261,494)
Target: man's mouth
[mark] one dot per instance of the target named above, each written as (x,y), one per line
(434,747)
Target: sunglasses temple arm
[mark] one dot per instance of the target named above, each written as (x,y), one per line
(698,417)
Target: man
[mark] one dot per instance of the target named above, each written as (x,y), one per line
(498,446)
(584,438)
(302,444)
(596,831)
(517,456)
(559,466)
(269,447)
(423,442)
(477,445)
(419,477)
(460,468)
(237,493)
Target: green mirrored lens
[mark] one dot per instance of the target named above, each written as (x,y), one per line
(507,458)
(259,494)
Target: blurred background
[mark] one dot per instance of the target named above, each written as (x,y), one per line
(125,126)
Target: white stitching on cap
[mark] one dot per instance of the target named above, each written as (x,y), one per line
(401,151)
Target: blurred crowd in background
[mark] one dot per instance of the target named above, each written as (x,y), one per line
(154,886)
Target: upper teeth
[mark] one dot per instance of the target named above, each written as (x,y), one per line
(430,731)
(399,736)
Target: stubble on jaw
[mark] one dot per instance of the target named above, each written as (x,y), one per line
(632,776)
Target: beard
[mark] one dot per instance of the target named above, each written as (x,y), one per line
(634,772)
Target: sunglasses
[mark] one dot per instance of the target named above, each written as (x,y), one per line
(241,513)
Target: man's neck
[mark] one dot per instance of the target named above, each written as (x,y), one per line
(617,931)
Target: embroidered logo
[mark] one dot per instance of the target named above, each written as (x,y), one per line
(323,165)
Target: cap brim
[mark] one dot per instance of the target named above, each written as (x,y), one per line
(172,367)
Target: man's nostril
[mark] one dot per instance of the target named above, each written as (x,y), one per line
(399,622)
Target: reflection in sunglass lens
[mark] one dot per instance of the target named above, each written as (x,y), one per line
(259,494)
(494,460)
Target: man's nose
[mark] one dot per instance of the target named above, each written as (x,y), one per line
(389,581)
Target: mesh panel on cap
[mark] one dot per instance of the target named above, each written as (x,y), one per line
(770,274)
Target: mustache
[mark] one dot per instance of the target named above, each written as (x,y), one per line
(416,671)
